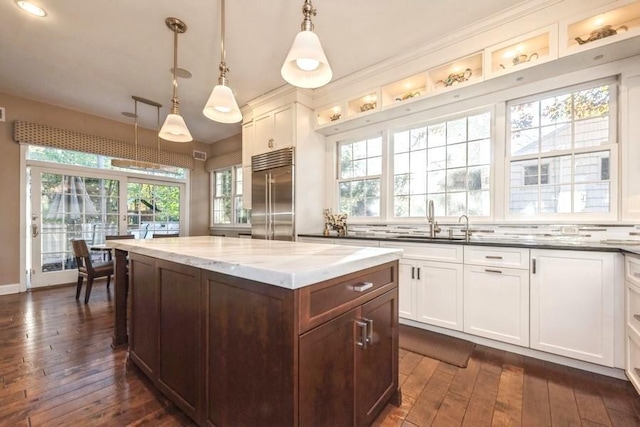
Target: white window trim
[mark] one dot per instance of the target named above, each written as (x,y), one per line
(612,147)
(212,193)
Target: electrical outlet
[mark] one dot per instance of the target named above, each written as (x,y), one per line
(569,230)
(1,114)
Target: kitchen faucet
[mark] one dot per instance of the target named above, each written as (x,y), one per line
(467,232)
(433,225)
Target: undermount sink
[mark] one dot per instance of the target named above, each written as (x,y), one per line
(432,238)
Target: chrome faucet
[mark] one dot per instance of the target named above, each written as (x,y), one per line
(467,232)
(433,225)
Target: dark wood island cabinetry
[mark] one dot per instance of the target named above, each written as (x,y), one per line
(230,351)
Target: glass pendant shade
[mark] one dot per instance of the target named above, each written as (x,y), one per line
(175,129)
(306,65)
(222,106)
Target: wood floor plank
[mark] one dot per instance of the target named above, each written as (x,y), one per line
(564,410)
(452,410)
(508,406)
(465,379)
(408,363)
(480,408)
(428,403)
(536,411)
(420,376)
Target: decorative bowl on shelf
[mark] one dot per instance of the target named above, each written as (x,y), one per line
(601,33)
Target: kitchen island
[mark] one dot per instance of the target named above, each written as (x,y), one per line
(254,332)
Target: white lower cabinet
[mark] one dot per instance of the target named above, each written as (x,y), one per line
(430,291)
(439,293)
(572,304)
(496,303)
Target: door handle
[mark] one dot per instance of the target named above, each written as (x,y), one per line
(362,342)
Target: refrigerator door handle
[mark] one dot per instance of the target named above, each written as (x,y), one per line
(270,206)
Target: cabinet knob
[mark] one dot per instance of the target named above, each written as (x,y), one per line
(363,287)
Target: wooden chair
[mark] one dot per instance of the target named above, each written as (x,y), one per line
(157,236)
(88,269)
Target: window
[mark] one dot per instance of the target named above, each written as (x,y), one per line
(448,162)
(359,174)
(559,150)
(227,197)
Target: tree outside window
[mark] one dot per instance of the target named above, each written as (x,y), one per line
(227,197)
(360,169)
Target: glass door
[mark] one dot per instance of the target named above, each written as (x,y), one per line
(153,208)
(65,207)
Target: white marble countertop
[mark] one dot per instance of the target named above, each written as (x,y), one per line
(289,265)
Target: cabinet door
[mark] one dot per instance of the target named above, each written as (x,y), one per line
(248,142)
(283,128)
(143,347)
(377,363)
(572,304)
(496,303)
(326,373)
(181,336)
(264,137)
(274,130)
(439,293)
(407,289)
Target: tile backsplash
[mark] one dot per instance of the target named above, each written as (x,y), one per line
(564,232)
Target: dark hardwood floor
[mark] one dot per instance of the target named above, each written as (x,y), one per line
(57,368)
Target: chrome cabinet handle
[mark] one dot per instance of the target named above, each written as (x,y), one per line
(533,266)
(492,271)
(362,342)
(493,257)
(413,272)
(369,323)
(365,286)
(418,273)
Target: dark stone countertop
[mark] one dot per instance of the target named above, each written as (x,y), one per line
(561,243)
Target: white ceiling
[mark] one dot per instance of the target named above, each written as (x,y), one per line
(92,56)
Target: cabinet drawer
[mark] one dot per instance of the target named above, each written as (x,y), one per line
(324,301)
(497,256)
(444,252)
(633,361)
(632,269)
(633,307)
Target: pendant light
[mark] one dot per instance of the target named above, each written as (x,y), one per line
(135,163)
(174,128)
(222,106)
(306,65)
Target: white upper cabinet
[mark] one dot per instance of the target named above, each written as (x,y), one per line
(274,130)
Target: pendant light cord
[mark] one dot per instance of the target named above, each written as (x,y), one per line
(223,53)
(174,100)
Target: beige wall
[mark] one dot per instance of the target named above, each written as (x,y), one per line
(17,108)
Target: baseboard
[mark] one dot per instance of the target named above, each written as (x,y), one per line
(9,289)
(524,351)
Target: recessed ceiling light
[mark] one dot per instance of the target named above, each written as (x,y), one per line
(31,9)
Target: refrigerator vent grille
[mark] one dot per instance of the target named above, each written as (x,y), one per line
(273,159)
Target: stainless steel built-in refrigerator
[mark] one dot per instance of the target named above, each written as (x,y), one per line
(272,195)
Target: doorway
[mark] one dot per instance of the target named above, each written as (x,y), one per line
(81,203)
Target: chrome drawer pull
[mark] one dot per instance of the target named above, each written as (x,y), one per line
(492,271)
(637,317)
(493,257)
(364,287)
